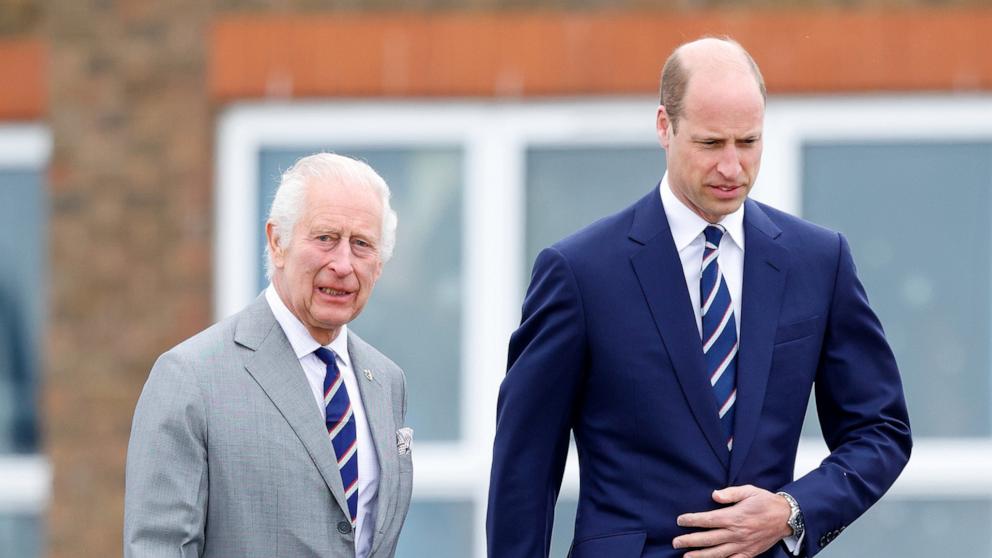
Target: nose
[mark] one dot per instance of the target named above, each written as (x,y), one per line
(729,166)
(340,261)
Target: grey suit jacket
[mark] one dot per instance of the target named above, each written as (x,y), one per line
(227,456)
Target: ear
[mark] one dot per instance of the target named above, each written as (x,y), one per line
(272,237)
(663,126)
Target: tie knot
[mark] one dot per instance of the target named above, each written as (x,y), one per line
(714,233)
(326,355)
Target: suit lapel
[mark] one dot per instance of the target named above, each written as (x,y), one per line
(277,371)
(378,413)
(659,271)
(765,266)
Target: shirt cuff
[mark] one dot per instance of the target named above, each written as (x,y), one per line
(794,543)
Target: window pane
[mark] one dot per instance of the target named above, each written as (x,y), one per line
(414,316)
(20,534)
(570,187)
(438,529)
(916,216)
(21,298)
(918,529)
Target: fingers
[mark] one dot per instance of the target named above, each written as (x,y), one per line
(703,539)
(722,517)
(722,551)
(706,520)
(733,494)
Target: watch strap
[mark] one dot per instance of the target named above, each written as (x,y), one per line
(796,522)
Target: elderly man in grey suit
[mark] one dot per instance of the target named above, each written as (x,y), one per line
(278,432)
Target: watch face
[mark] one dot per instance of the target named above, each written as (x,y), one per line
(796,522)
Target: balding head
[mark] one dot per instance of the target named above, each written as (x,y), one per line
(705,58)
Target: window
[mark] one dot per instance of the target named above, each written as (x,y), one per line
(569,187)
(24,474)
(481,187)
(926,266)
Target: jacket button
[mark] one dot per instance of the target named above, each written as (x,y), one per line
(344,527)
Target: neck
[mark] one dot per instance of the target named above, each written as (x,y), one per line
(323,336)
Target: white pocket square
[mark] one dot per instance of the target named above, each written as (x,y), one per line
(404,440)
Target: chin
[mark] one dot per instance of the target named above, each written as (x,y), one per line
(328,318)
(726,207)
(333,320)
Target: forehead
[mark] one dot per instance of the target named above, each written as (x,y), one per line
(717,99)
(338,203)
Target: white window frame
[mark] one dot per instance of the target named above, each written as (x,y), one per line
(495,137)
(25,480)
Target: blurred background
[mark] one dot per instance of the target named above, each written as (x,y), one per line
(141,141)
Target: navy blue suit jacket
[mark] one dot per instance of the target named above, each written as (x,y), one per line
(609,350)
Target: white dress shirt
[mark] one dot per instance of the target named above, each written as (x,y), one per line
(687,232)
(368,464)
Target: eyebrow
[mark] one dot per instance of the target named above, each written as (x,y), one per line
(708,138)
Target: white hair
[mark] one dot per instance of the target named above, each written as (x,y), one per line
(287,204)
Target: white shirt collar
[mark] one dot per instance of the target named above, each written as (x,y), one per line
(303,344)
(686,225)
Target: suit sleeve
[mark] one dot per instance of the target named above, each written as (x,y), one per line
(534,412)
(862,413)
(165,499)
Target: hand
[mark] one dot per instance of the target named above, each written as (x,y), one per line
(756,520)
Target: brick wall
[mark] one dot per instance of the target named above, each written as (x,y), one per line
(20,17)
(129,238)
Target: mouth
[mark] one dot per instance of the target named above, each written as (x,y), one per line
(727,192)
(725,187)
(333,292)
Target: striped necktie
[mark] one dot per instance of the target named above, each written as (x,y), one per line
(340,421)
(719,332)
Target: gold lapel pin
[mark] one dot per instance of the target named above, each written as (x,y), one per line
(368,374)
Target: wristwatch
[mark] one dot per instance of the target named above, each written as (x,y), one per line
(796,522)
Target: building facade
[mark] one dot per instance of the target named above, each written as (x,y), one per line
(140,144)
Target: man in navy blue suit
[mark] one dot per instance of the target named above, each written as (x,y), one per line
(679,341)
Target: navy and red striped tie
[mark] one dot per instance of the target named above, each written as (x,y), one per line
(340,421)
(719,332)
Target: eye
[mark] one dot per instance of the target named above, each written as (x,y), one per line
(363,247)
(324,238)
